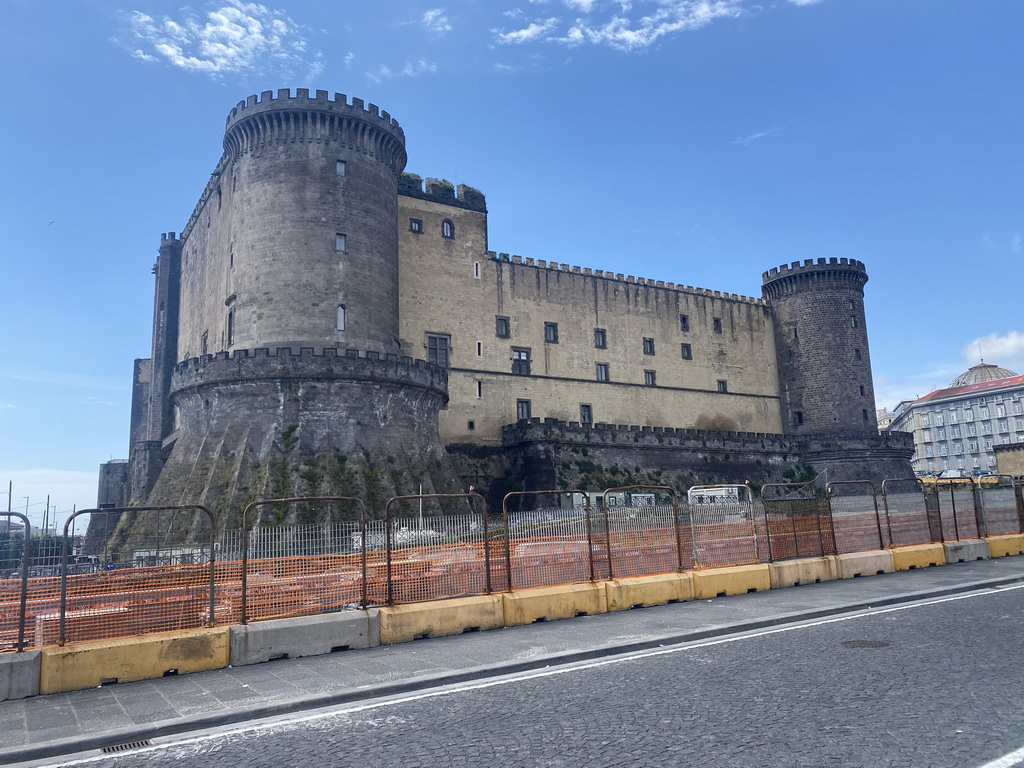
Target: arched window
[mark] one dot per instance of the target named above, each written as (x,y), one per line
(448,229)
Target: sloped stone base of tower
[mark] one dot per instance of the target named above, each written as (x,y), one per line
(257,425)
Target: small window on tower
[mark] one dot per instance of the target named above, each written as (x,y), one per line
(856,354)
(798,417)
(205,342)
(448,229)
(684,323)
(231,326)
(416,225)
(438,348)
(600,338)
(717,324)
(648,346)
(862,390)
(340,167)
(476,269)
(687,352)
(551,333)
(340,324)
(586,414)
(602,372)
(650,378)
(522,409)
(339,242)
(723,385)
(502,327)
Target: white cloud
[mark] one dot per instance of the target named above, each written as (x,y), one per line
(349,58)
(745,140)
(632,26)
(436,21)
(1006,350)
(804,2)
(411,69)
(237,37)
(534,31)
(63,379)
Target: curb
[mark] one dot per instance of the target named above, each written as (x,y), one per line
(76,744)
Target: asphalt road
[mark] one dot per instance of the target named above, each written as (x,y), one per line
(927,684)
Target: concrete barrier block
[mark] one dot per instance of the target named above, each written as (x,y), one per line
(917,556)
(402,623)
(1002,546)
(734,580)
(303,636)
(623,594)
(808,570)
(525,606)
(966,551)
(864,563)
(88,665)
(19,675)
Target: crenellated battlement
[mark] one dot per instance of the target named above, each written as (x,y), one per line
(307,363)
(168,237)
(810,265)
(631,280)
(320,101)
(442,191)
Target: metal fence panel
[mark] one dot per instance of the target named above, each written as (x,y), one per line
(907,513)
(999,503)
(724,534)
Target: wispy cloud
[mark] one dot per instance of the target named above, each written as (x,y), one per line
(411,69)
(63,379)
(100,402)
(627,26)
(805,2)
(235,38)
(436,21)
(537,30)
(745,140)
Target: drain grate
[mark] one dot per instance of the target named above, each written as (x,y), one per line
(866,644)
(127,746)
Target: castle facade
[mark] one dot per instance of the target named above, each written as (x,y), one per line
(323,311)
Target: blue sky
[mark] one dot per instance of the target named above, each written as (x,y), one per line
(695,141)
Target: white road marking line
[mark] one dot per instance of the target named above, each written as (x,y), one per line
(447,691)
(1006,761)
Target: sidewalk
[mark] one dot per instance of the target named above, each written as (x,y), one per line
(65,723)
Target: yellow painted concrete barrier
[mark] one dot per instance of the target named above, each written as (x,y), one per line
(88,665)
(917,556)
(1001,546)
(402,623)
(807,570)
(525,606)
(734,580)
(623,594)
(864,563)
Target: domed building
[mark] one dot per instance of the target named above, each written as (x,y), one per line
(958,431)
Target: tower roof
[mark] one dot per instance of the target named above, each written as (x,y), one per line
(980,374)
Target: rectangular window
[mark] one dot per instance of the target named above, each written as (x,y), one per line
(600,338)
(522,410)
(586,414)
(205,342)
(968,415)
(602,372)
(648,346)
(340,325)
(862,390)
(231,326)
(927,451)
(798,417)
(476,269)
(651,378)
(686,351)
(502,327)
(971,430)
(926,435)
(479,349)
(416,225)
(856,354)
(684,323)
(521,361)
(339,242)
(723,385)
(940,433)
(864,413)
(479,389)
(470,425)
(438,348)
(340,168)
(717,324)
(551,333)
(955,431)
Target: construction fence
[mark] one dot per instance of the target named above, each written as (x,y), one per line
(155,569)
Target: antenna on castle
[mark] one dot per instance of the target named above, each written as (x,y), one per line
(980,355)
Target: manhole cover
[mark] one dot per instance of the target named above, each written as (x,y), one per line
(865,644)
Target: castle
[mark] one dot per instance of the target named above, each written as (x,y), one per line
(326,323)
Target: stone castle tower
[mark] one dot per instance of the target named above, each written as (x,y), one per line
(277,367)
(822,346)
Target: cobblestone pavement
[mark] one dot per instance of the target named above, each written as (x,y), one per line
(898,696)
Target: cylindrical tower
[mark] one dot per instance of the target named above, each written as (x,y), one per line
(822,346)
(297,243)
